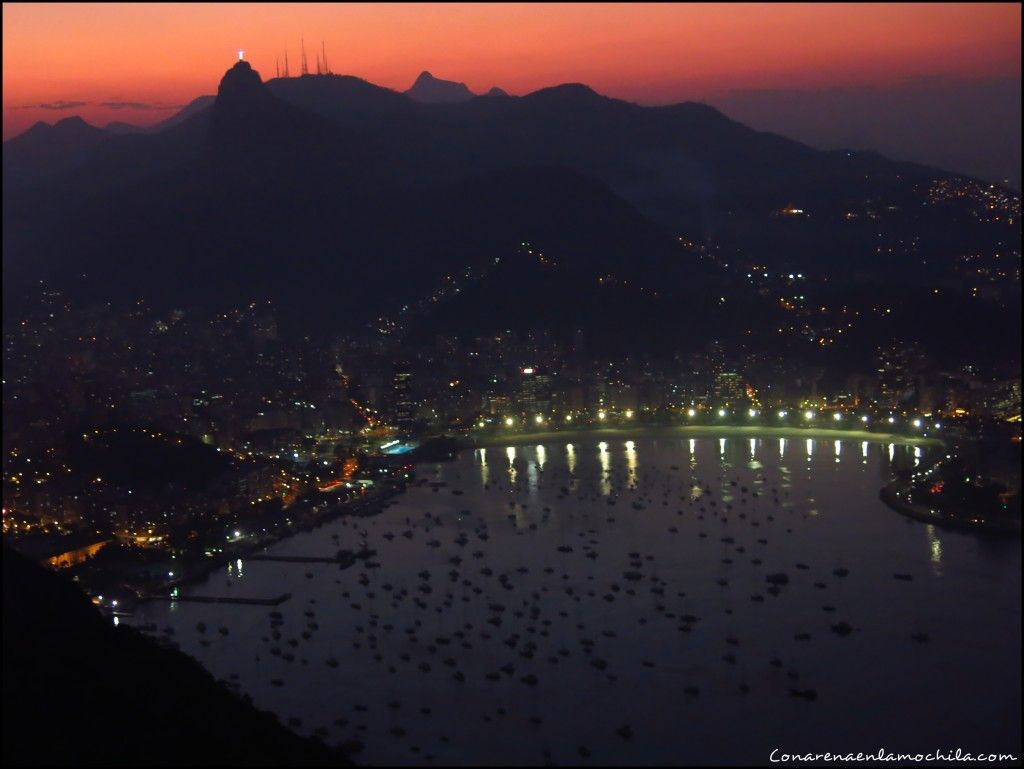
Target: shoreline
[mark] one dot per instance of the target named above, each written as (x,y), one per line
(201,570)
(891,496)
(700,431)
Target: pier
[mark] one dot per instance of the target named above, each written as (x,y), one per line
(296,558)
(226,599)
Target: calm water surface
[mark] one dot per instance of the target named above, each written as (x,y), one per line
(572,590)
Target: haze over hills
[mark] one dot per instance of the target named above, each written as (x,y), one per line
(344,200)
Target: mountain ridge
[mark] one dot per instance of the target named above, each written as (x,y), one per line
(308,190)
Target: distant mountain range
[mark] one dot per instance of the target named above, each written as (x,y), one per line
(344,199)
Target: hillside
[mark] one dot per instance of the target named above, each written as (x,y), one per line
(78,690)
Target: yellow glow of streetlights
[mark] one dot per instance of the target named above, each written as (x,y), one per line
(808,415)
(629,413)
(539,419)
(509,421)
(601,415)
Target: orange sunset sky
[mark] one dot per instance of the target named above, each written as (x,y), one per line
(147,59)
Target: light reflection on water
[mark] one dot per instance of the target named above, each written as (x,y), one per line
(631,463)
(485,473)
(606,464)
(873,683)
(510,452)
(935,546)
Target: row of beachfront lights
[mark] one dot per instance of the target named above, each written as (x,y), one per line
(809,416)
(540,419)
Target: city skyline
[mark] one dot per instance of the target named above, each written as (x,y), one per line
(475,386)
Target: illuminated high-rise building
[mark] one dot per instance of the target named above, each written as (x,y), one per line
(534,395)
(403,402)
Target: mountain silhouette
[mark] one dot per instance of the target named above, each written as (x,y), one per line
(312,190)
(45,151)
(431,90)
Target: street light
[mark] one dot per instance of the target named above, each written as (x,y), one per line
(783,414)
(691,412)
(509,421)
(808,415)
(722,412)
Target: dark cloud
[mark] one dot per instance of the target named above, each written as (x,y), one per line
(137,105)
(59,104)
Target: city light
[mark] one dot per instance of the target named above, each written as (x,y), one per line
(401,280)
